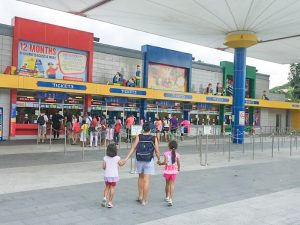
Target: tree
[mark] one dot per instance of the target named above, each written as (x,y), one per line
(294,80)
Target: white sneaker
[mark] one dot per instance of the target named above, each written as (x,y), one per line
(167,199)
(170,203)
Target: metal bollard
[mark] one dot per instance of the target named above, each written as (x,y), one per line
(132,171)
(253,145)
(38,135)
(65,145)
(196,141)
(229,147)
(272,145)
(200,148)
(84,137)
(206,149)
(291,143)
(218,138)
(262,143)
(223,143)
(244,145)
(278,142)
(50,137)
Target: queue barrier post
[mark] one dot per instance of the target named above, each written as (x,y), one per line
(65,144)
(229,147)
(38,135)
(253,145)
(291,143)
(278,142)
(50,136)
(272,145)
(83,145)
(223,134)
(206,149)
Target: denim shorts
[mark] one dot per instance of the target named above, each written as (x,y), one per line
(145,167)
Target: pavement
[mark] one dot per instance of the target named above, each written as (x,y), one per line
(40,184)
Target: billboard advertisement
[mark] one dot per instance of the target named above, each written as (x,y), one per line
(167,78)
(46,61)
(229,87)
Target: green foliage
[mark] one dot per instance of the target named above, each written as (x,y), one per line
(294,80)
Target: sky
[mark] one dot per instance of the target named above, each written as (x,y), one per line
(128,38)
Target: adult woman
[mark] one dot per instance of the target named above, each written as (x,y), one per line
(145,167)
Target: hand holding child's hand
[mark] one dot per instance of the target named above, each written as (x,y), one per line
(122,162)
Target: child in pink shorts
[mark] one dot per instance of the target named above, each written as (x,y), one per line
(172,166)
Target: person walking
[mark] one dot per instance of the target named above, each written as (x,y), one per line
(56,123)
(145,145)
(42,126)
(129,122)
(117,131)
(110,165)
(93,132)
(173,126)
(172,167)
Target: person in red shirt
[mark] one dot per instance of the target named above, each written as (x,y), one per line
(117,131)
(129,123)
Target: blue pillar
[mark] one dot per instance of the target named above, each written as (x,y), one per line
(238,105)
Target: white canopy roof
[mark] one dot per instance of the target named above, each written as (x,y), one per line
(202,22)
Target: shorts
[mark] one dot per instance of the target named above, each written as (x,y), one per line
(111,181)
(113,184)
(43,129)
(170,177)
(145,167)
(173,130)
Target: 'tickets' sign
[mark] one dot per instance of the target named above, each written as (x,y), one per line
(45,61)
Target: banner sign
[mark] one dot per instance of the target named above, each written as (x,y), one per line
(46,61)
(165,103)
(242,118)
(116,100)
(216,99)
(251,102)
(126,91)
(181,96)
(61,85)
(55,95)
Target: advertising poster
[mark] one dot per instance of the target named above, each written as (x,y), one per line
(45,61)
(229,87)
(242,118)
(167,78)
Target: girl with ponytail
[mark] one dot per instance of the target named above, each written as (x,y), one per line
(172,166)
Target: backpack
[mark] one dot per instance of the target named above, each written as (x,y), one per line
(145,148)
(77,127)
(41,120)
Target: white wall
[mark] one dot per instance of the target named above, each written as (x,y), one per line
(5,52)
(268,117)
(5,103)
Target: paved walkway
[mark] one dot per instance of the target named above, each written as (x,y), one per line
(46,187)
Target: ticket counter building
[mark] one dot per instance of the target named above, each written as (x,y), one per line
(61,69)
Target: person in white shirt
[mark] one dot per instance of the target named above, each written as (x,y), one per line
(42,126)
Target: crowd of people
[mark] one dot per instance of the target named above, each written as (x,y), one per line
(92,130)
(87,129)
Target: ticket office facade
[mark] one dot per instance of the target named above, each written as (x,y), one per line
(102,61)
